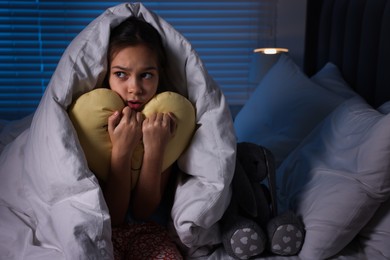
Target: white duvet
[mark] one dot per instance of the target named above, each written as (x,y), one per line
(51,206)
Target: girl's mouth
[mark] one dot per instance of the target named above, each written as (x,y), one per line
(135,105)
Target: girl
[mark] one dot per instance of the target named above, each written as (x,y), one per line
(135,63)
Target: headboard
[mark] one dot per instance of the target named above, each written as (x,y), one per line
(346,32)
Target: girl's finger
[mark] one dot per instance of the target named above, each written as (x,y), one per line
(139,117)
(127,113)
(172,117)
(159,117)
(113,121)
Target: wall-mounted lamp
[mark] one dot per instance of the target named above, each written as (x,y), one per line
(263,60)
(270,50)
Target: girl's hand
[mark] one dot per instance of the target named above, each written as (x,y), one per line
(125,130)
(157,130)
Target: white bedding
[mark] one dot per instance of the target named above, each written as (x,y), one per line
(335,176)
(51,206)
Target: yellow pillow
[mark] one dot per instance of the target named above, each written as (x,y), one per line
(89,115)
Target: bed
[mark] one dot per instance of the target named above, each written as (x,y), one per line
(331,150)
(324,125)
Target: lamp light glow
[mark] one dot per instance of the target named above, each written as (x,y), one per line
(271,50)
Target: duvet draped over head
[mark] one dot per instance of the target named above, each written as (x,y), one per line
(51,206)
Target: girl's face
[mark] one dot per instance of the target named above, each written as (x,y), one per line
(134,75)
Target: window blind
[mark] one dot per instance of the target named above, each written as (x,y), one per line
(34,34)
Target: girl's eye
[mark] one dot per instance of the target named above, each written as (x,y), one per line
(120,74)
(147,75)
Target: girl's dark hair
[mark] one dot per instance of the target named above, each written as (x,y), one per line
(134,31)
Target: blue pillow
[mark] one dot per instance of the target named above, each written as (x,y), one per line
(330,77)
(283,109)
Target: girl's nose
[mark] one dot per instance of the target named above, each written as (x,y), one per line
(134,86)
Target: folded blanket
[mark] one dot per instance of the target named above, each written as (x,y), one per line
(51,205)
